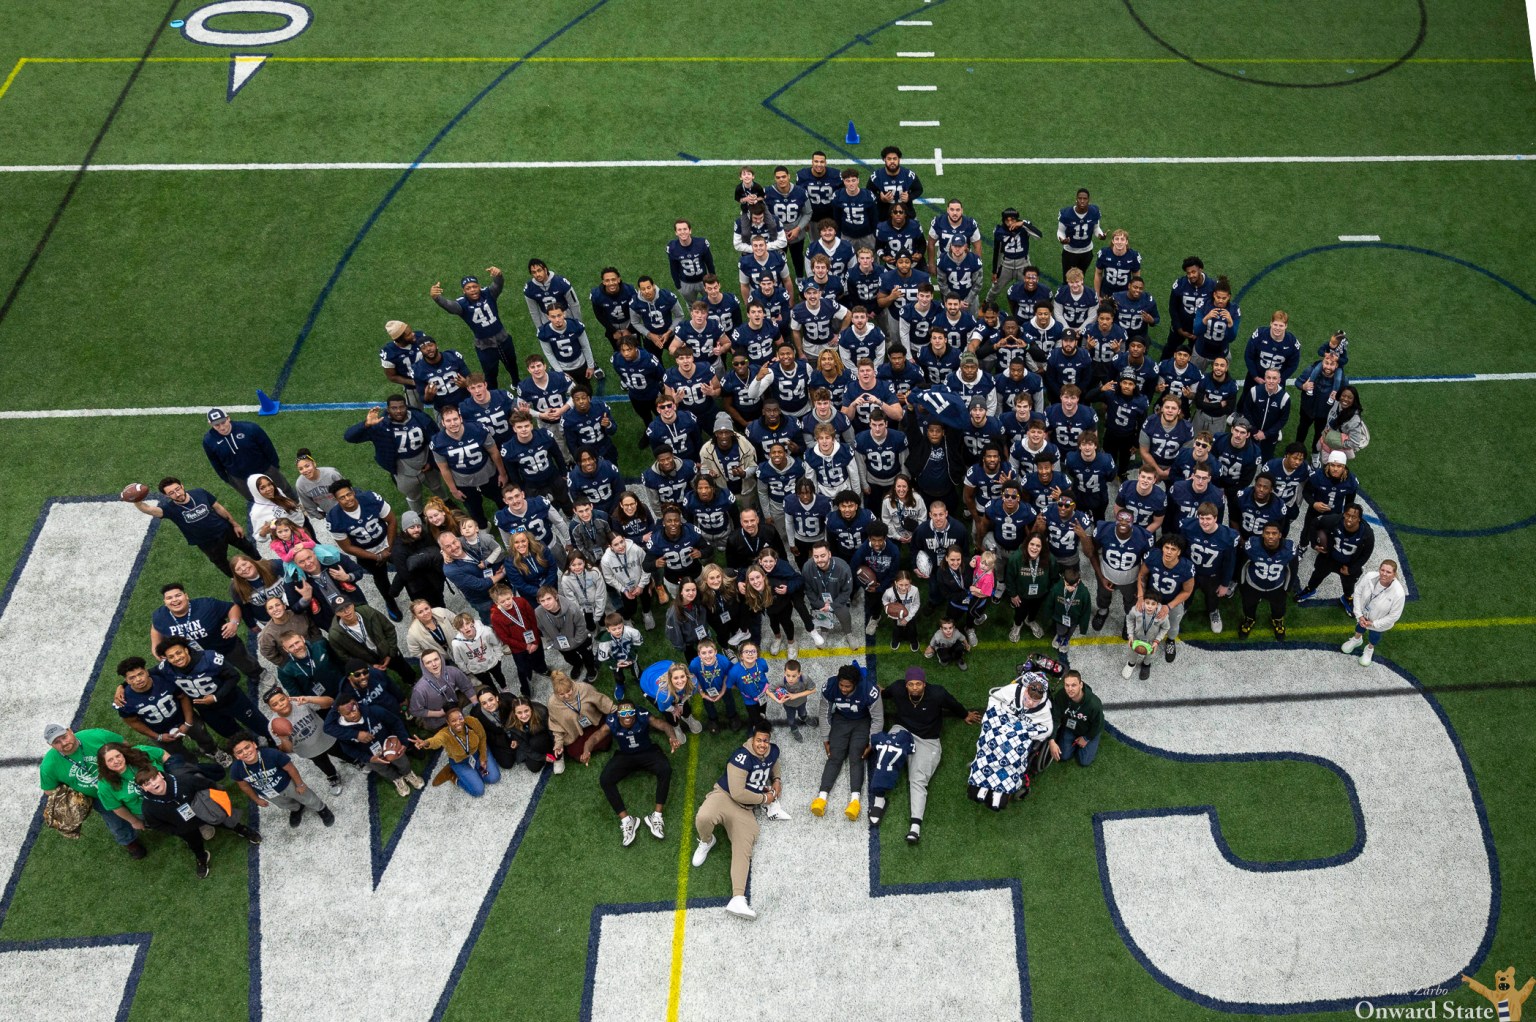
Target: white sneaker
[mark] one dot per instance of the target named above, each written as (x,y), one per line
(403,788)
(628,828)
(415,781)
(1354,643)
(776,646)
(702,852)
(1013,633)
(682,735)
(336,786)
(1036,630)
(658,825)
(1367,655)
(970,636)
(794,651)
(739,908)
(775,811)
(650,622)
(739,636)
(560,765)
(871,626)
(1216,622)
(223,758)
(694,724)
(1127,671)
(820,641)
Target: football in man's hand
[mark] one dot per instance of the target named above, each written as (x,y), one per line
(134,492)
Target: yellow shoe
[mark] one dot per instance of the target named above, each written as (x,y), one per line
(818,807)
(852,812)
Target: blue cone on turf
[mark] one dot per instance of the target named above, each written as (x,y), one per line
(269,405)
(853,135)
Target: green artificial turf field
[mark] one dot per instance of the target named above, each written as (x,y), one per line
(147,283)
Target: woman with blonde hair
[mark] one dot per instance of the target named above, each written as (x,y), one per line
(439,517)
(728,617)
(431,628)
(529,567)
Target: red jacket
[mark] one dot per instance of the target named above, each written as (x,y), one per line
(511,633)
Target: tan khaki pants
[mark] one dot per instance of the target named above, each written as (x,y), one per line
(740,828)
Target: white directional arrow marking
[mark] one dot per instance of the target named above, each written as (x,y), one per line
(241,68)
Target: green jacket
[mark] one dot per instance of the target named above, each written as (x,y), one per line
(1082,719)
(379,629)
(1077,608)
(1018,581)
(78,771)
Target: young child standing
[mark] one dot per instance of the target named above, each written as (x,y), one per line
(618,648)
(793,696)
(1145,632)
(711,675)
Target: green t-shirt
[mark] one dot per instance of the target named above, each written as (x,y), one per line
(77,770)
(126,792)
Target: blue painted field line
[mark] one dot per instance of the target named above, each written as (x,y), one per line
(1416,250)
(389,196)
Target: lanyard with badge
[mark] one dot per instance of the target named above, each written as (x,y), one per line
(463,742)
(581,718)
(528,636)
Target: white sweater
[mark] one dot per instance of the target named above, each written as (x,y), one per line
(1383,605)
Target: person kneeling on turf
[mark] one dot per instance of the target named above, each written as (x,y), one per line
(751,779)
(1079,718)
(634,752)
(469,753)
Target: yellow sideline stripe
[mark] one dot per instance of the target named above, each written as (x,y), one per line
(684,863)
(21,62)
(1322,632)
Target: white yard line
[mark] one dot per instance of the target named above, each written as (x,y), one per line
(938,155)
(1359,237)
(929,88)
(91,413)
(919,124)
(914,24)
(972,161)
(914,53)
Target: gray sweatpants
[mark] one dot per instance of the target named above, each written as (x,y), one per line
(1008,271)
(411,477)
(848,738)
(1201,422)
(926,753)
(290,798)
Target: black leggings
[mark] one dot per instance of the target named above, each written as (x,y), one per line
(645,602)
(328,768)
(474,500)
(780,611)
(1028,608)
(582,659)
(622,764)
(645,408)
(380,572)
(1121,447)
(1274,597)
(1325,566)
(217,550)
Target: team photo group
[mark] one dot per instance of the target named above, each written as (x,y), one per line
(873,432)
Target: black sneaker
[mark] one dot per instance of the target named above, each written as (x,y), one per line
(714,727)
(914,835)
(135,849)
(1145,672)
(913,646)
(201,866)
(1170,650)
(895,643)
(1244,627)
(393,612)
(814,720)
(327,817)
(253,836)
(1099,619)
(295,816)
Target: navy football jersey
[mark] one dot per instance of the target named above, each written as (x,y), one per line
(633,738)
(759,769)
(889,751)
(1163,581)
